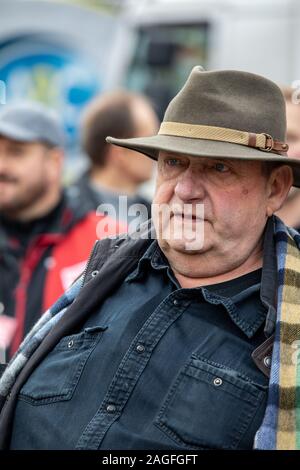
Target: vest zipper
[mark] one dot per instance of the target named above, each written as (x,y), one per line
(88,262)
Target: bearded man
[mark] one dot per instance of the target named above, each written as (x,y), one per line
(41,225)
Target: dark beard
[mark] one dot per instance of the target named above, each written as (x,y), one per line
(20,203)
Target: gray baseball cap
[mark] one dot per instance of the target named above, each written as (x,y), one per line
(31,122)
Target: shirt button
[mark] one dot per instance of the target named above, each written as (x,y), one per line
(267,361)
(140,348)
(110,408)
(176,302)
(70,344)
(218,381)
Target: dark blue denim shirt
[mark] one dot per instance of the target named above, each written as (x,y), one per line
(157,367)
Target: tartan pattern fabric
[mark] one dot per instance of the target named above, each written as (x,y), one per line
(281,424)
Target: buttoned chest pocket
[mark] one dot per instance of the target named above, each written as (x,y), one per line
(56,378)
(210,406)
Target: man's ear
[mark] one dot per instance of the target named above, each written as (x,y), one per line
(279,184)
(114,155)
(55,157)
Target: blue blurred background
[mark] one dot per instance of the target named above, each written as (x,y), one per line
(63,53)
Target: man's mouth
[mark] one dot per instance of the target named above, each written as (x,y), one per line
(7,181)
(188,217)
(6,185)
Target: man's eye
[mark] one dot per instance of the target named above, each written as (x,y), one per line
(221,167)
(172,162)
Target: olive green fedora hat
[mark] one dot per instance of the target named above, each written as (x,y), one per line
(222,114)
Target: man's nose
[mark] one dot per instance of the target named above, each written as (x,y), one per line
(189,186)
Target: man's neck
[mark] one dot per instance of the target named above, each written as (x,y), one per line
(290,211)
(254,262)
(189,282)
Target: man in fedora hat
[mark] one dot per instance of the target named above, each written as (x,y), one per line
(167,340)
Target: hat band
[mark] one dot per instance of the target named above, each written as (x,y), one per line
(261,141)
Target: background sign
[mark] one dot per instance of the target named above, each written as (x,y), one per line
(36,68)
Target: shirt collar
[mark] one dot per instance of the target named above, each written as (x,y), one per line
(153,257)
(267,287)
(269,282)
(243,308)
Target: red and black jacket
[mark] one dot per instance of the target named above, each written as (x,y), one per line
(39,260)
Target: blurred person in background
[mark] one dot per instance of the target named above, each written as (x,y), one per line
(41,228)
(290,212)
(116,171)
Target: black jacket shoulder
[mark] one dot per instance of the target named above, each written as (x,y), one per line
(125,246)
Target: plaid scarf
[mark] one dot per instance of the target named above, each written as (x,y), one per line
(280,428)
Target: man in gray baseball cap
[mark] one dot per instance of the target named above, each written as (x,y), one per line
(36,217)
(31,158)
(32,134)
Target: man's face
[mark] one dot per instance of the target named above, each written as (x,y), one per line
(293,129)
(24,174)
(233,195)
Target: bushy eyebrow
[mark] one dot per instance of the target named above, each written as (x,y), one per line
(234,164)
(171,155)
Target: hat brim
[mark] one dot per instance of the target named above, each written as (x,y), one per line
(151,146)
(16,133)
